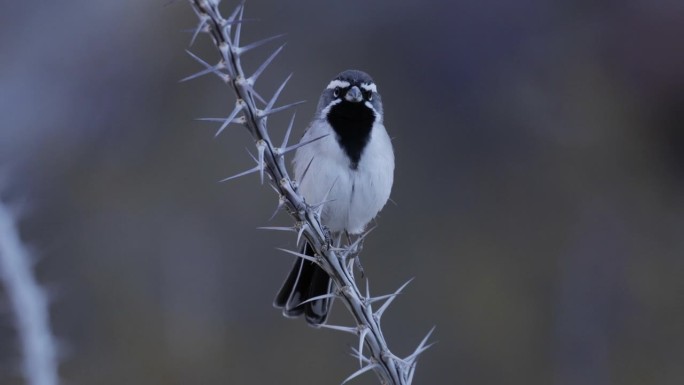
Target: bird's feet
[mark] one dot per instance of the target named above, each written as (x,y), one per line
(328,236)
(359,267)
(355,248)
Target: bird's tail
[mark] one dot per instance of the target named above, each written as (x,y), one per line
(306,280)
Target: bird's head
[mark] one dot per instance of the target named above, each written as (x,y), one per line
(353,95)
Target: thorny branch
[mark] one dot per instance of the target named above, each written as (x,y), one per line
(270,161)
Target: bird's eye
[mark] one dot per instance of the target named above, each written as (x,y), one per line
(336,92)
(368,95)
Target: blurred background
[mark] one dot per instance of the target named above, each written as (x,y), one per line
(539,190)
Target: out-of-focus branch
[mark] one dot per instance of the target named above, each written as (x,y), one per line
(29,305)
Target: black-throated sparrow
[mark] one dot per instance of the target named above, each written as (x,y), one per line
(352,169)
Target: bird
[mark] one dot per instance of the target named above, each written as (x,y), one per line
(350,171)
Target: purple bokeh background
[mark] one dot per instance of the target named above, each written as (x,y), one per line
(539,190)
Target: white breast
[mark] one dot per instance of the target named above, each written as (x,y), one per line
(354,196)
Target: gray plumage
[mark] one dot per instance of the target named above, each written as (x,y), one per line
(350,171)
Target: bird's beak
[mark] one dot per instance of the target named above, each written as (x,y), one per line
(354,95)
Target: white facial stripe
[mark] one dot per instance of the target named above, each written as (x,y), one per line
(338,83)
(369,105)
(369,87)
(335,102)
(325,111)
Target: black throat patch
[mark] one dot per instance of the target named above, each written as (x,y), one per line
(353,123)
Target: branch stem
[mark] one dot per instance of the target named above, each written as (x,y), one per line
(390,369)
(29,305)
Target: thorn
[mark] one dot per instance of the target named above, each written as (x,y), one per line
(258,96)
(239,120)
(427,336)
(265,113)
(277,228)
(285,150)
(379,298)
(418,352)
(251,46)
(200,27)
(238,30)
(226,22)
(194,9)
(360,372)
(274,188)
(213,69)
(306,170)
(325,197)
(385,305)
(277,93)
(367,289)
(350,266)
(362,338)
(318,207)
(300,255)
(354,246)
(197,58)
(262,67)
(245,83)
(365,234)
(411,371)
(261,147)
(356,354)
(287,135)
(251,155)
(281,203)
(421,347)
(316,298)
(208,68)
(233,15)
(230,119)
(251,170)
(327,193)
(346,329)
(301,231)
(198,74)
